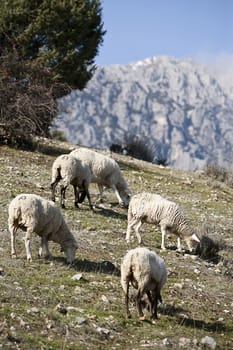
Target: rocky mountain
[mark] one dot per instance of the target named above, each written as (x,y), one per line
(174,103)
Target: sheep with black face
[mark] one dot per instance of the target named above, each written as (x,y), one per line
(70,170)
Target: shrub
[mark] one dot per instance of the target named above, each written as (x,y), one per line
(211,242)
(58,135)
(139,147)
(219,173)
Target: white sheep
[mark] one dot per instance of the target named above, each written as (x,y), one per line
(105,172)
(71,171)
(154,209)
(146,271)
(34,214)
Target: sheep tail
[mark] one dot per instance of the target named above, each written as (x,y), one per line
(56,177)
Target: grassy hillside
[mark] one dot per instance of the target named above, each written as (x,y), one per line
(42,307)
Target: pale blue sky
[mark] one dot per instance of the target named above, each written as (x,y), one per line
(137,29)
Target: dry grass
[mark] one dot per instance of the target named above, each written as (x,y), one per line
(198,294)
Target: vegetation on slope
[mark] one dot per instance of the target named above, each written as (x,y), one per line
(43,307)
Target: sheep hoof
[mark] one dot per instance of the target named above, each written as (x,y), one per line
(29,259)
(63,206)
(13,256)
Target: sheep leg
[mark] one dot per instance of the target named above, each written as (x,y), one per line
(163,231)
(101,190)
(13,231)
(76,196)
(87,193)
(63,195)
(155,298)
(131,224)
(139,224)
(56,177)
(150,301)
(179,245)
(127,301)
(27,240)
(89,199)
(118,196)
(53,187)
(139,305)
(82,196)
(44,244)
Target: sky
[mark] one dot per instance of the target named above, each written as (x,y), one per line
(138,29)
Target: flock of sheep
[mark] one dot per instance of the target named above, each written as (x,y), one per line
(142,268)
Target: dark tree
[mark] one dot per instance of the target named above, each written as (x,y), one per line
(47,48)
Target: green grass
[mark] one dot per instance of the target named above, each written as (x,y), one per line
(197,296)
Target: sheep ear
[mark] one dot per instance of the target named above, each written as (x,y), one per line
(195,238)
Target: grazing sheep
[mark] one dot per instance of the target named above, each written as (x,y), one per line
(105,172)
(71,171)
(147,273)
(154,209)
(34,214)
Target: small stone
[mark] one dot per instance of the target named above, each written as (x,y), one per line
(178,285)
(77,277)
(104,331)
(76,309)
(208,342)
(104,299)
(80,320)
(184,342)
(38,185)
(33,310)
(166,342)
(78,290)
(194,257)
(22,322)
(226,311)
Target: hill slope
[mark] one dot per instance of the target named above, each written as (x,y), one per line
(175,103)
(198,294)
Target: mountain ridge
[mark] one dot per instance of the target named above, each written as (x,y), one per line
(174,103)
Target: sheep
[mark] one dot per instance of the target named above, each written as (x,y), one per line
(105,172)
(146,271)
(34,214)
(71,171)
(154,209)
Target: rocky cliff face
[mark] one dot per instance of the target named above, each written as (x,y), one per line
(174,103)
